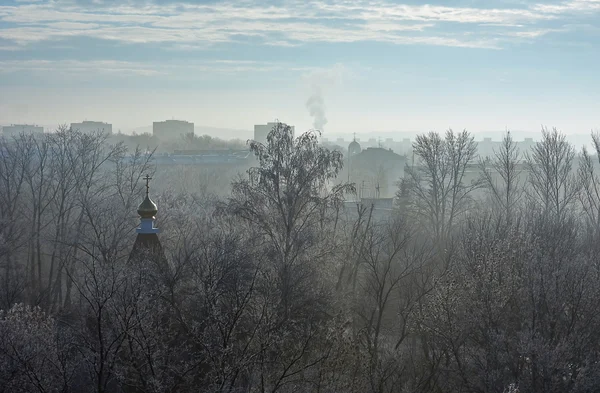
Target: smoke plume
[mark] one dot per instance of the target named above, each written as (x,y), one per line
(319,81)
(316,107)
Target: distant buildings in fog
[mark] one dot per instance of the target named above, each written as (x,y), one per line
(374,170)
(375,166)
(16,129)
(262,130)
(172,129)
(485,147)
(88,127)
(403,146)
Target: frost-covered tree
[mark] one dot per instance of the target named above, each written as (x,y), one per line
(436,185)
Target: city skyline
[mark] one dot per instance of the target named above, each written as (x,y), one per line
(372,65)
(367,138)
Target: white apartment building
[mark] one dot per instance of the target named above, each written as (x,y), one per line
(17,129)
(171,129)
(262,130)
(88,127)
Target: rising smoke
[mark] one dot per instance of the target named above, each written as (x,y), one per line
(321,80)
(316,107)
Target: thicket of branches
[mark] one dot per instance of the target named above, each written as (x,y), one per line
(485,283)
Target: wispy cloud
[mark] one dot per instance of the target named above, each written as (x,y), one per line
(535,33)
(11,48)
(572,6)
(73,66)
(290,23)
(128,68)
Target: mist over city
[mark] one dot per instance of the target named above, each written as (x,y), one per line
(358,196)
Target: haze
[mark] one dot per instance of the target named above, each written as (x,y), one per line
(376,65)
(299,196)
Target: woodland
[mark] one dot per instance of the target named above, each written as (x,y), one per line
(485,284)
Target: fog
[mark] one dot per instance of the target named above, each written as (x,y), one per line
(317,197)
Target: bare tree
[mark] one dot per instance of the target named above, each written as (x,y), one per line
(287,202)
(501,177)
(438,191)
(13,231)
(391,264)
(286,198)
(39,179)
(553,186)
(589,197)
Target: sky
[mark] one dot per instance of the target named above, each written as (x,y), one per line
(369,65)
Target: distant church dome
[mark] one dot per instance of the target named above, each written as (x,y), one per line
(354,148)
(147,208)
(147,245)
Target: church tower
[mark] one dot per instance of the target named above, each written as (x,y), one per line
(147,243)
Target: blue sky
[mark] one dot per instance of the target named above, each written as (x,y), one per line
(380,65)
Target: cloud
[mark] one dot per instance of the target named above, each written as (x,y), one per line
(73,66)
(567,7)
(534,33)
(290,23)
(11,48)
(92,68)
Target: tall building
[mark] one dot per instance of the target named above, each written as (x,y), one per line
(88,127)
(262,130)
(17,129)
(172,129)
(147,244)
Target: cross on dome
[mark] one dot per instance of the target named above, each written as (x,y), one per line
(147,178)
